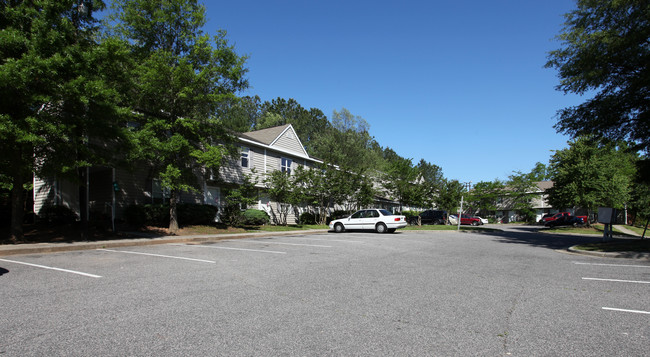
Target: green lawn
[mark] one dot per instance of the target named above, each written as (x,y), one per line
(618,245)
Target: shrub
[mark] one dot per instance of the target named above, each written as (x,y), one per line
(307,218)
(256,217)
(57,215)
(157,214)
(135,215)
(199,214)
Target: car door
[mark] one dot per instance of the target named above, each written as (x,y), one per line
(372,217)
(356,220)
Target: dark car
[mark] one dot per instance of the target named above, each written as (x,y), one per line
(430,217)
(565,221)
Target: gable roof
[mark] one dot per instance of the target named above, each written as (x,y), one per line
(266,136)
(279,138)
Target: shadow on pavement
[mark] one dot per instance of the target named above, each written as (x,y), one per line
(531,235)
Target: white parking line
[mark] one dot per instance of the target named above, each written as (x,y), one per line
(228,248)
(625,310)
(614,265)
(52,268)
(329,240)
(618,281)
(280,243)
(159,255)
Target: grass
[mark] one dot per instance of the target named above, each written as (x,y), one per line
(618,245)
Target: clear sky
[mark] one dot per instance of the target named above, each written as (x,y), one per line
(460,84)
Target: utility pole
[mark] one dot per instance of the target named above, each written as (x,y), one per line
(468,185)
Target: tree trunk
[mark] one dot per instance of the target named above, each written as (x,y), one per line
(17,209)
(173,214)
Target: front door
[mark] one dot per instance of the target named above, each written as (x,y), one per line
(213,197)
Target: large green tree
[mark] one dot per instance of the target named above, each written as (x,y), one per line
(182,79)
(485,196)
(59,94)
(605,53)
(591,175)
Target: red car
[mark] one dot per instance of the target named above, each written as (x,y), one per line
(465,219)
(555,216)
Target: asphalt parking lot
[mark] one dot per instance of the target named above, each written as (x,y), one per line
(411,293)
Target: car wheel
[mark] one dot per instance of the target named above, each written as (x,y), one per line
(380,228)
(338,228)
(475,223)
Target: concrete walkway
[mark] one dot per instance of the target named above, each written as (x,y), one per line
(626,231)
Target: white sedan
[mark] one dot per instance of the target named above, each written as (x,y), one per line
(379,220)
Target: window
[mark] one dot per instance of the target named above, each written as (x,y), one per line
(158,193)
(286,165)
(245,156)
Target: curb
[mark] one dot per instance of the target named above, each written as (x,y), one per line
(626,255)
(38,248)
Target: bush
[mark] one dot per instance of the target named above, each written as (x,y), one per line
(135,215)
(307,218)
(57,215)
(256,217)
(196,214)
(158,214)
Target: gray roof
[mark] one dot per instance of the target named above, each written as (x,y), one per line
(265,136)
(544,185)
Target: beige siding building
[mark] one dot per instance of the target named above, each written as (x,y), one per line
(261,152)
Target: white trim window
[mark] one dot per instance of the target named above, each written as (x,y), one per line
(285,165)
(245,156)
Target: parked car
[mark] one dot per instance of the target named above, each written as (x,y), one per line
(430,217)
(565,221)
(483,220)
(553,217)
(466,219)
(550,218)
(379,220)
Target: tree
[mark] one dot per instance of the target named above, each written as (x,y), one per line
(281,188)
(605,50)
(182,78)
(240,196)
(591,175)
(485,196)
(59,96)
(450,195)
(399,181)
(539,173)
(518,191)
(347,143)
(430,183)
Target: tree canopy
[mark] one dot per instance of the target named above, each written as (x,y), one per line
(605,52)
(182,77)
(592,175)
(59,90)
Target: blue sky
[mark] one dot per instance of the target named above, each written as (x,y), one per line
(460,84)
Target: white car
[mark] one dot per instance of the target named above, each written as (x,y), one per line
(483,220)
(379,220)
